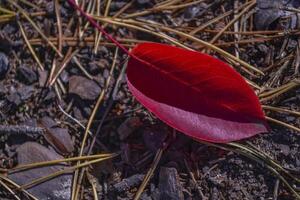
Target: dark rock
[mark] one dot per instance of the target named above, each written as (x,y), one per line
(20,95)
(14,98)
(144,2)
(50,95)
(94,68)
(128,183)
(4,65)
(284,149)
(3,89)
(84,88)
(26,75)
(50,8)
(169,185)
(269,12)
(154,137)
(25,92)
(193,11)
(43,75)
(48,122)
(58,188)
(5,41)
(128,127)
(59,138)
(64,76)
(117,5)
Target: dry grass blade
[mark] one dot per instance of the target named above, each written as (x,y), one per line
(105,15)
(278,91)
(54,162)
(17,186)
(9,190)
(90,9)
(98,39)
(86,73)
(4,10)
(29,4)
(93,184)
(174,7)
(113,95)
(64,171)
(136,25)
(158,7)
(283,124)
(283,110)
(216,37)
(212,21)
(24,13)
(149,173)
(59,26)
(55,71)
(30,47)
(75,190)
(258,158)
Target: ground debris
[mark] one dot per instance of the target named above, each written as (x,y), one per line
(84,88)
(169,185)
(58,188)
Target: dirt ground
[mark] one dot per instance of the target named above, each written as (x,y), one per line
(56,71)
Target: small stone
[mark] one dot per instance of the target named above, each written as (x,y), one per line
(58,137)
(94,68)
(144,2)
(154,137)
(86,89)
(43,75)
(14,98)
(3,89)
(128,183)
(26,75)
(25,92)
(169,184)
(4,65)
(128,127)
(64,76)
(58,188)
(284,149)
(192,12)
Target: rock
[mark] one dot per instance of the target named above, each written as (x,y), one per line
(117,5)
(128,127)
(14,98)
(25,92)
(20,95)
(94,68)
(58,188)
(169,185)
(269,11)
(3,89)
(284,149)
(144,2)
(192,12)
(43,75)
(4,65)
(64,76)
(26,75)
(154,137)
(84,88)
(128,183)
(58,137)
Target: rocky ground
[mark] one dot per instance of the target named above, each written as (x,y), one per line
(55,66)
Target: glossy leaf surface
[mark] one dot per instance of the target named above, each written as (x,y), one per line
(194,93)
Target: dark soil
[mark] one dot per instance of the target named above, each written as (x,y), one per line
(187,169)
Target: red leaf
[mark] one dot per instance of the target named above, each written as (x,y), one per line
(194,93)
